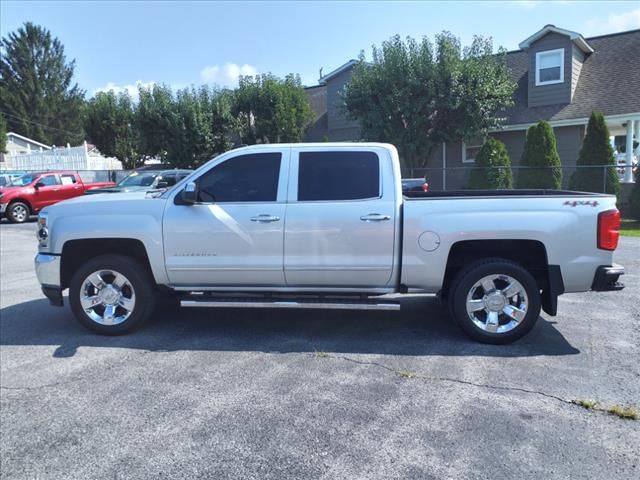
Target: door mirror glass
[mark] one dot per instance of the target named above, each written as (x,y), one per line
(190,193)
(39,184)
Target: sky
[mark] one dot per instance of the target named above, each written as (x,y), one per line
(118,45)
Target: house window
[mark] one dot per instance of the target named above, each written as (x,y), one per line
(471,148)
(550,67)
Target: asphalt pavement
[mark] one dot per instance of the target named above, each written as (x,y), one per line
(264,394)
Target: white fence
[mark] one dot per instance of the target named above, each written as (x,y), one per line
(76,158)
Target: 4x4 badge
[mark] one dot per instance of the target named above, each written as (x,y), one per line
(575,203)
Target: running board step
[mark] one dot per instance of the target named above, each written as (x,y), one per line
(341,304)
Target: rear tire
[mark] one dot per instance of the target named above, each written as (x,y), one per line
(18,212)
(112,294)
(495,301)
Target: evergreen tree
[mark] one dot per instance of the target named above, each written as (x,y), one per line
(596,150)
(3,134)
(492,169)
(540,159)
(39,98)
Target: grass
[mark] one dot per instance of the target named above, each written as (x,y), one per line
(407,374)
(630,228)
(588,404)
(628,413)
(318,354)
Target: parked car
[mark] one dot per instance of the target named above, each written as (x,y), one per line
(31,192)
(414,185)
(144,180)
(7,177)
(326,226)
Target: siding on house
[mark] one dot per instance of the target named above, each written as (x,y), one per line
(339,126)
(317,131)
(577,59)
(569,141)
(556,93)
(514,141)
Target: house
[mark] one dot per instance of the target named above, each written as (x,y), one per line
(24,157)
(18,144)
(561,77)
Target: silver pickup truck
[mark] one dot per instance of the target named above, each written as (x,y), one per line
(325,226)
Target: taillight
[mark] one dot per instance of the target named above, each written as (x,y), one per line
(425,187)
(608,229)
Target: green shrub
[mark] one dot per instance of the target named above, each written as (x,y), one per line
(596,150)
(493,167)
(540,159)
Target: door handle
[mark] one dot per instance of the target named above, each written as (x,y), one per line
(265,218)
(375,217)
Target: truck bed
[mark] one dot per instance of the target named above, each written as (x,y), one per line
(500,193)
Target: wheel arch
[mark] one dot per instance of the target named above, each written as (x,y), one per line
(530,254)
(77,252)
(21,200)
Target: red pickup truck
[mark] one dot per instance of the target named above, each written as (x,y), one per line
(30,193)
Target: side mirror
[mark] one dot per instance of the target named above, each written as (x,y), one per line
(162,184)
(190,193)
(38,185)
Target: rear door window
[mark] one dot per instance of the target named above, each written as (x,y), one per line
(326,176)
(68,179)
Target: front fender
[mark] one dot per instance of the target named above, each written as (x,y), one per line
(146,228)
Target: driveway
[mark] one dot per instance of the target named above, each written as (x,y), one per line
(289,395)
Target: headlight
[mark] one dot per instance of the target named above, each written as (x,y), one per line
(43,230)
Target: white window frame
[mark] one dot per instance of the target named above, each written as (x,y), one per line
(550,52)
(464,151)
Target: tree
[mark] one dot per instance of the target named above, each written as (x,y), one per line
(185,129)
(269,109)
(154,119)
(540,159)
(200,127)
(109,123)
(492,169)
(417,96)
(39,99)
(3,134)
(596,150)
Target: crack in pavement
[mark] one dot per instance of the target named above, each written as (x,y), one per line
(422,376)
(401,373)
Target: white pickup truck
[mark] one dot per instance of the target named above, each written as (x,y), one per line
(325,226)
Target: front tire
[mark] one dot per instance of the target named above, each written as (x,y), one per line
(495,301)
(18,212)
(112,294)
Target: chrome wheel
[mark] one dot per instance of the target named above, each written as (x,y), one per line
(107,297)
(19,213)
(497,303)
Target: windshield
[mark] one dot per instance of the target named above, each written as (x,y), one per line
(23,180)
(139,179)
